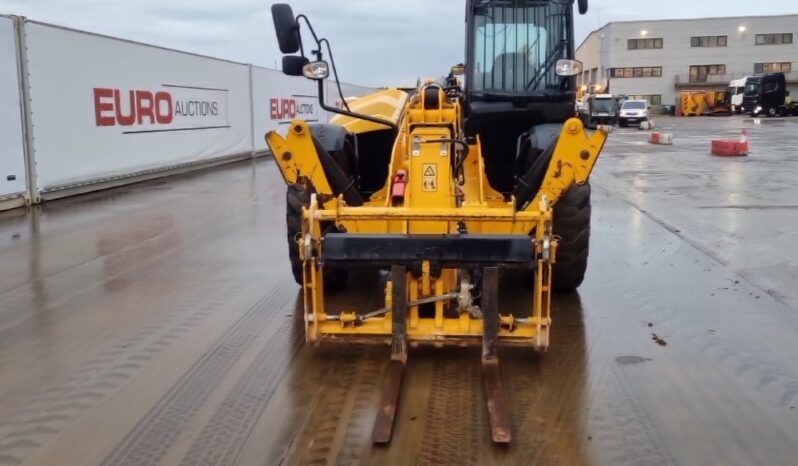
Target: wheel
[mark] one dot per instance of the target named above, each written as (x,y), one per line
(297,197)
(622,124)
(572,226)
(772,112)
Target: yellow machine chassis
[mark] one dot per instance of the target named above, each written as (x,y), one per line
(436,193)
(531,330)
(423,211)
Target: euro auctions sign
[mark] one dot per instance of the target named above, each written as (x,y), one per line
(285,110)
(170,107)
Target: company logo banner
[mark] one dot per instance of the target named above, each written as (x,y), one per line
(171,107)
(285,110)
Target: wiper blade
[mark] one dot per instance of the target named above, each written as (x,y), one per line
(550,61)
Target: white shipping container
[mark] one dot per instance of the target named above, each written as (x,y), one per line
(104,108)
(279,99)
(12,154)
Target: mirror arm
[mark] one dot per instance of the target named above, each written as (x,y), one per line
(316,52)
(323,104)
(335,74)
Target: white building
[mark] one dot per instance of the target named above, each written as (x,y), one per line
(658,59)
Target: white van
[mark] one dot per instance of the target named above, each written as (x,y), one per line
(633,111)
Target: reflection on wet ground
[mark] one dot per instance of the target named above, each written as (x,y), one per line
(158,324)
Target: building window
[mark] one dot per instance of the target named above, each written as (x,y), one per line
(762,68)
(642,72)
(637,44)
(773,39)
(709,41)
(701,73)
(651,99)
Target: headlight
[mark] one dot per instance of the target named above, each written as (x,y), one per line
(758,109)
(316,70)
(566,67)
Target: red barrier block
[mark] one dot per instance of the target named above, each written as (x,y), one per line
(665,139)
(729,147)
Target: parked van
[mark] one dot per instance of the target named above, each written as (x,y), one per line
(601,109)
(634,112)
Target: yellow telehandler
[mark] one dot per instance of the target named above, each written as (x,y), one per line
(444,186)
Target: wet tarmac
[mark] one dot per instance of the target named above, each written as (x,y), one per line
(158,324)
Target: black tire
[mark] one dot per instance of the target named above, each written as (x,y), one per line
(296,197)
(572,225)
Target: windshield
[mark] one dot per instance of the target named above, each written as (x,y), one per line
(603,105)
(514,41)
(634,105)
(753,88)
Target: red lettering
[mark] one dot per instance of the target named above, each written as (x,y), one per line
(130,118)
(142,110)
(164,116)
(288,108)
(101,106)
(274,109)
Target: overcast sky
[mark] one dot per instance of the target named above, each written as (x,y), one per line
(376,42)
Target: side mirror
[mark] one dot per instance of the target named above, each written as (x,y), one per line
(293,64)
(582,7)
(286,27)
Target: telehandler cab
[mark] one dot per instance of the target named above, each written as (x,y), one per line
(443,187)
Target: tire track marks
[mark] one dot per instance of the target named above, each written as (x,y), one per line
(50,411)
(453,432)
(223,437)
(156,432)
(361,418)
(336,432)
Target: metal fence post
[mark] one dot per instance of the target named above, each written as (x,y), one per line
(28,145)
(251,109)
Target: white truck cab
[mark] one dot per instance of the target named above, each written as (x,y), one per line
(736,91)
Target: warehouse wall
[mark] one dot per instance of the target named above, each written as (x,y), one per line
(100,111)
(676,56)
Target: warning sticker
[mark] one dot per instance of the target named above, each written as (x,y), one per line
(430,178)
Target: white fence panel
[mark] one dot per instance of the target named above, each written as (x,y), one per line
(278,99)
(12,154)
(104,108)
